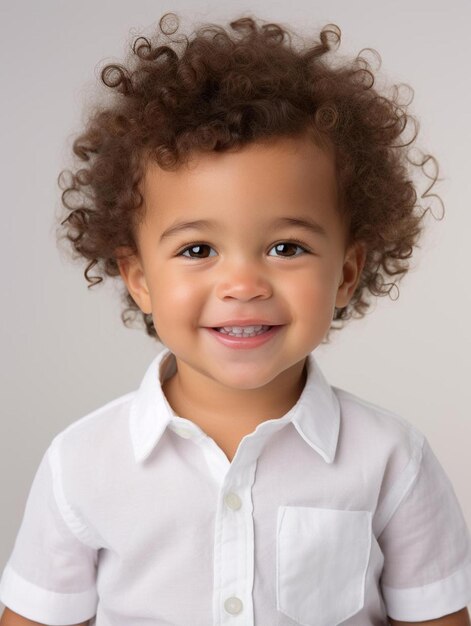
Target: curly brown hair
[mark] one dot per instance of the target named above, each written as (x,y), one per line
(219,90)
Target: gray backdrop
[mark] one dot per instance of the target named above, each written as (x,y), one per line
(64,349)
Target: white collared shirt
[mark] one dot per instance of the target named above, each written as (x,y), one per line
(337,512)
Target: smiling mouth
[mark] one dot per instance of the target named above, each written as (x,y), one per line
(244,340)
(243,332)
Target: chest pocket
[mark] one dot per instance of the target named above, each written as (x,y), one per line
(322,557)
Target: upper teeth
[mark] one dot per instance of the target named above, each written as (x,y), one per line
(243,330)
(249,329)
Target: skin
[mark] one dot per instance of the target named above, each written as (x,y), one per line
(239,273)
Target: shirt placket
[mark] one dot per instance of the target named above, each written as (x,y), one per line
(234,547)
(234,533)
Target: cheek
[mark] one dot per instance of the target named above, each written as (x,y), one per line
(175,304)
(312,296)
(179,293)
(313,287)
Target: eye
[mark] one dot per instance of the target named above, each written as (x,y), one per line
(293,244)
(195,246)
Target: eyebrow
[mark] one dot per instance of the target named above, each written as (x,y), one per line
(299,222)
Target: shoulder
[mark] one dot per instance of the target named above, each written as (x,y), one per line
(97,421)
(386,425)
(95,437)
(383,438)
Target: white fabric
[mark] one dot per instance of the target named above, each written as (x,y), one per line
(337,513)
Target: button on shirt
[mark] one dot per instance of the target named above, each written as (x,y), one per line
(336,513)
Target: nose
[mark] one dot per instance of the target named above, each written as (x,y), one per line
(244,281)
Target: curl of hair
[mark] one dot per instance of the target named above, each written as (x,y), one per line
(222,89)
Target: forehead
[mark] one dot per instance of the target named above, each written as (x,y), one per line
(262,178)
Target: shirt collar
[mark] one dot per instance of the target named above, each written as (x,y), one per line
(316,414)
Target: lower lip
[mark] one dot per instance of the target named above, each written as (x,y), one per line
(241,343)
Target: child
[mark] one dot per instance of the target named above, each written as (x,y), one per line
(249,195)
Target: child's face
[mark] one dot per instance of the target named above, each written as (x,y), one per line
(238,268)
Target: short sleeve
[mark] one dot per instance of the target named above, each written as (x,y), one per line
(427,548)
(50,576)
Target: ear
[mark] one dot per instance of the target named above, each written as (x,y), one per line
(132,272)
(354,262)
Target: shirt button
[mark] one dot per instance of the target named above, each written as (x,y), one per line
(233,501)
(183,432)
(233,605)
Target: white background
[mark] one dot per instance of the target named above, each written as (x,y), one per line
(64,350)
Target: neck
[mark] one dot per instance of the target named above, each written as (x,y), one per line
(201,399)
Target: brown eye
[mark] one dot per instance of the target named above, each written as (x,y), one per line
(281,247)
(198,247)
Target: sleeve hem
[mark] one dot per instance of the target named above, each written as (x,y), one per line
(42,605)
(430,601)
